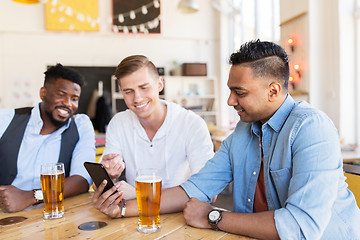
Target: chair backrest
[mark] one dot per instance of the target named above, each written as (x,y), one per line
(352,174)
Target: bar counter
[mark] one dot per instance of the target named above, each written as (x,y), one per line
(79,210)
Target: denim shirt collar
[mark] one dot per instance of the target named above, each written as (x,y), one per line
(279,117)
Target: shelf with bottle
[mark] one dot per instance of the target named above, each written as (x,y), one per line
(196,93)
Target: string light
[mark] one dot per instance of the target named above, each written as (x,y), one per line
(134,29)
(68,11)
(132,14)
(80,17)
(297,70)
(58,6)
(93,24)
(156,4)
(121,18)
(143,27)
(291,42)
(144,10)
(115,28)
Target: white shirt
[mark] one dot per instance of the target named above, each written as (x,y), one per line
(180,147)
(36,149)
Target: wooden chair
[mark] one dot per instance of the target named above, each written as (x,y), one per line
(99,151)
(352,173)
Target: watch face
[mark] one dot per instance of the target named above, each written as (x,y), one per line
(38,195)
(214,215)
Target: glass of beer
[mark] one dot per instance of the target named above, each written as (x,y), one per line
(148,195)
(52,185)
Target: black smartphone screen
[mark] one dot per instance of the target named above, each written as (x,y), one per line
(98,173)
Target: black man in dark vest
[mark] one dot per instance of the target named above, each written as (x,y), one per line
(49,132)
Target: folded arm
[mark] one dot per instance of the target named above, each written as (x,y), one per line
(13,199)
(75,185)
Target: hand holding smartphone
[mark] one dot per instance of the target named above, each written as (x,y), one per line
(98,173)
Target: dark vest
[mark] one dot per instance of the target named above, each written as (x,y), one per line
(11,140)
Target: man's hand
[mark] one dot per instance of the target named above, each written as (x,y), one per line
(113,164)
(13,199)
(128,190)
(108,203)
(196,213)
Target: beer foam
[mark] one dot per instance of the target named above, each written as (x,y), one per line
(52,173)
(148,179)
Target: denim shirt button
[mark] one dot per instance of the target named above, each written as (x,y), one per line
(254,173)
(249,200)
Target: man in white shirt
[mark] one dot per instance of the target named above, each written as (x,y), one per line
(47,133)
(152,132)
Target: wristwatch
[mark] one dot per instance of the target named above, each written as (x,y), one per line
(38,195)
(214,218)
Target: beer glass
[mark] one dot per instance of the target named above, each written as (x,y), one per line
(148,195)
(52,185)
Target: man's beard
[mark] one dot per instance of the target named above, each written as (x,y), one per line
(55,122)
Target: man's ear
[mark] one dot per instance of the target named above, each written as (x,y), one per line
(274,90)
(160,84)
(42,93)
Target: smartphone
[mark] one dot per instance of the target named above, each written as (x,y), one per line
(98,173)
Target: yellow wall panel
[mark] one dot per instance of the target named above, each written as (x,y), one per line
(71,15)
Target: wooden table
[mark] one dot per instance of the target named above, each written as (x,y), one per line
(79,210)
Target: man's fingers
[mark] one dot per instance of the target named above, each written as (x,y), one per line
(119,166)
(116,197)
(99,190)
(111,203)
(104,198)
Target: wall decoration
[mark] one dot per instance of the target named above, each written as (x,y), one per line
(136,16)
(71,15)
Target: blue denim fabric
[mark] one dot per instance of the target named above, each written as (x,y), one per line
(303,174)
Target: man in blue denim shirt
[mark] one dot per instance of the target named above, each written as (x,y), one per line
(285,152)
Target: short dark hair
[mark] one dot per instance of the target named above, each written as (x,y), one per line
(59,71)
(266,59)
(133,63)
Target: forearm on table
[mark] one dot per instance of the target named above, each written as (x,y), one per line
(172,200)
(75,185)
(258,225)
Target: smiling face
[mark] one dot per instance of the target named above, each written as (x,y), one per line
(141,92)
(251,97)
(60,100)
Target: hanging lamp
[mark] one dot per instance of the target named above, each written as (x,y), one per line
(188,6)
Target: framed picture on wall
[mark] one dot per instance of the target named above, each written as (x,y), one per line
(71,15)
(136,16)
